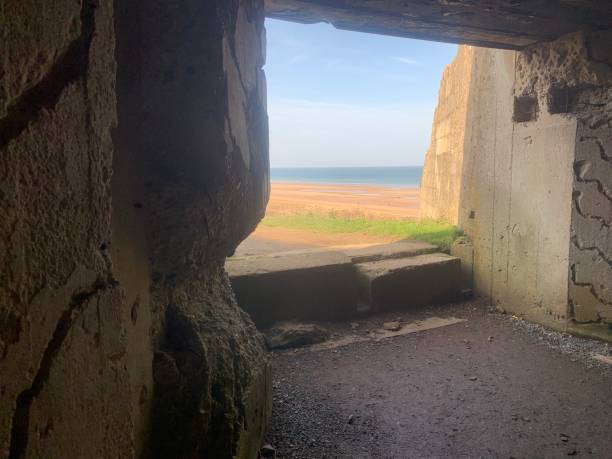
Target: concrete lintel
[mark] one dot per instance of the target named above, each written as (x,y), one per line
(502,24)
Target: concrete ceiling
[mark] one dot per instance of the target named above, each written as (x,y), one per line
(511,24)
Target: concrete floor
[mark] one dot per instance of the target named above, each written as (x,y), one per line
(493,386)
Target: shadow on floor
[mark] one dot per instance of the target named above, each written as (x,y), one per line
(491,386)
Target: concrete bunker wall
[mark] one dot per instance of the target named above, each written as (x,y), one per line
(133,159)
(514,203)
(534,187)
(441,179)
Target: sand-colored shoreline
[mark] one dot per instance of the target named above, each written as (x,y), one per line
(346,200)
(378,202)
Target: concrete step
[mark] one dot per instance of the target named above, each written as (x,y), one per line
(399,249)
(306,286)
(403,283)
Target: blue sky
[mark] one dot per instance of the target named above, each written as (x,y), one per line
(338,98)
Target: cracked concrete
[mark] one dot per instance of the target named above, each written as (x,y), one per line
(21,417)
(590,291)
(70,66)
(535,192)
(107,177)
(134,159)
(54,209)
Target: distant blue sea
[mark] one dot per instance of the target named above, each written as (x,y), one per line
(383,176)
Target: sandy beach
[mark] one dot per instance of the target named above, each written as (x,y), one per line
(344,200)
(375,202)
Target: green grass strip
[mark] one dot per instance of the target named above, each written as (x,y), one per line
(431,231)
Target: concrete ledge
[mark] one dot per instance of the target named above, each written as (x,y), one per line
(409,282)
(400,249)
(308,286)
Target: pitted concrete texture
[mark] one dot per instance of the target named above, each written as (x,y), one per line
(590,286)
(52,33)
(514,202)
(572,78)
(463,249)
(212,375)
(409,282)
(133,158)
(494,23)
(192,144)
(443,164)
(308,286)
(291,261)
(534,194)
(62,317)
(400,249)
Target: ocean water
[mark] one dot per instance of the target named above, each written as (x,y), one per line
(409,176)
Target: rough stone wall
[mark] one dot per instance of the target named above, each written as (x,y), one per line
(193,131)
(62,318)
(535,186)
(133,159)
(441,178)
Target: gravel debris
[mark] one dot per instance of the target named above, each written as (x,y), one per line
(581,349)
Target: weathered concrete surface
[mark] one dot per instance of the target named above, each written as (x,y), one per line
(443,165)
(497,23)
(586,95)
(212,375)
(62,315)
(57,39)
(533,197)
(513,200)
(463,249)
(485,159)
(120,195)
(291,261)
(209,165)
(399,249)
(193,130)
(591,242)
(406,283)
(310,286)
(572,77)
(531,239)
(113,296)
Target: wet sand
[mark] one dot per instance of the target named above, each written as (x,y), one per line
(367,201)
(345,200)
